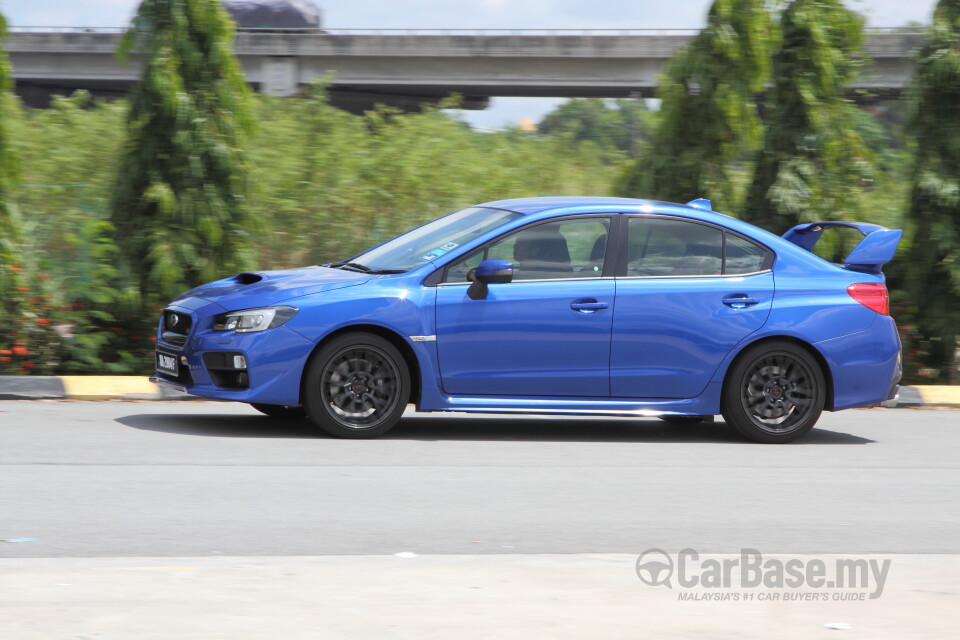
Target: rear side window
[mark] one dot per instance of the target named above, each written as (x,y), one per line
(666,247)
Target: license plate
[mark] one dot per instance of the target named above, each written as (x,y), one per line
(167,363)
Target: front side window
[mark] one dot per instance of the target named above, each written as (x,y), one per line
(563,249)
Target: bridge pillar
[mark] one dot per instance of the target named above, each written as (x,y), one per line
(280,76)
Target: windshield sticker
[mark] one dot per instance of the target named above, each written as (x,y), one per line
(439,251)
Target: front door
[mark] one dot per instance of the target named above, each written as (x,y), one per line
(547,333)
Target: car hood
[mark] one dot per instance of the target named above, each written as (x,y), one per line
(262,288)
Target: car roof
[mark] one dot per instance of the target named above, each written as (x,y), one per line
(545,203)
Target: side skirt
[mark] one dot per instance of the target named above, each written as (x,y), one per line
(707,403)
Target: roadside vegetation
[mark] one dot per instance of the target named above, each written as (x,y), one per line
(107,209)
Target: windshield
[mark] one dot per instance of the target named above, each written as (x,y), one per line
(427,243)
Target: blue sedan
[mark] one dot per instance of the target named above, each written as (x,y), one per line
(604,306)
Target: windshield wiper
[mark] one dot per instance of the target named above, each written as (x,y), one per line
(349,266)
(361,268)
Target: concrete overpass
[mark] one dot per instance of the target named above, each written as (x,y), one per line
(406,68)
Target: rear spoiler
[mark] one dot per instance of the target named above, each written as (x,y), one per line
(877,248)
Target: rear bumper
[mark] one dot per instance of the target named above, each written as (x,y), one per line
(866,366)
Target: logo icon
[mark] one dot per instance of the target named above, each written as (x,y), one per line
(654,567)
(173,319)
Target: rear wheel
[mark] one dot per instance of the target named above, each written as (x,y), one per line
(279,411)
(357,386)
(774,393)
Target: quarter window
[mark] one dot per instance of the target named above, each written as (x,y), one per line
(742,256)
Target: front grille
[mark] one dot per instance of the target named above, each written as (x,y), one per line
(176,326)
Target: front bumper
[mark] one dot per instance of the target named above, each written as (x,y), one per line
(275,360)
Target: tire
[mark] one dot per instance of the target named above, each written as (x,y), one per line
(774,393)
(279,411)
(357,386)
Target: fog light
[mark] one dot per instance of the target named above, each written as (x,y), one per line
(239,362)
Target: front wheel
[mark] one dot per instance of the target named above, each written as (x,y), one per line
(774,393)
(357,386)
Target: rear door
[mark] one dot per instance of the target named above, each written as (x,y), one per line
(687,293)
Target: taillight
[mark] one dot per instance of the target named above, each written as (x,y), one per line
(872,295)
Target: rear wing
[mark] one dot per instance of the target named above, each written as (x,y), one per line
(877,248)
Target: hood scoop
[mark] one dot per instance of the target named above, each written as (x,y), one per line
(247,278)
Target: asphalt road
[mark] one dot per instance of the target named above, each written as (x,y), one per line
(206,479)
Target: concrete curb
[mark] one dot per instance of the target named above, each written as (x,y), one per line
(86,388)
(140,388)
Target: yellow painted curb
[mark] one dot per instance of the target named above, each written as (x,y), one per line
(105,387)
(939,394)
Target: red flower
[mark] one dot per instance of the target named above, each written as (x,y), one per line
(153,338)
(20,351)
(43,322)
(6,352)
(43,276)
(28,365)
(5,359)
(14,267)
(116,329)
(22,289)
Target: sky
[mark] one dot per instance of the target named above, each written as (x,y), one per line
(464,14)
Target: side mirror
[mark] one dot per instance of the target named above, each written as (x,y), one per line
(489,271)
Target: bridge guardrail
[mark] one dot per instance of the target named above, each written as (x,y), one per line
(440,32)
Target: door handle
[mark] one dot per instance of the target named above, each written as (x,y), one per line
(739,301)
(588,306)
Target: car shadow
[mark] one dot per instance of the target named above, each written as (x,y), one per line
(431,427)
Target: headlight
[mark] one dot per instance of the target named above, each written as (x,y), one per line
(250,320)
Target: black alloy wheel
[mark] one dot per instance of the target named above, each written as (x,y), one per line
(774,393)
(357,386)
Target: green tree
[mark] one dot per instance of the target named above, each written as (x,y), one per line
(813,160)
(621,124)
(8,229)
(933,261)
(179,201)
(708,112)
(10,233)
